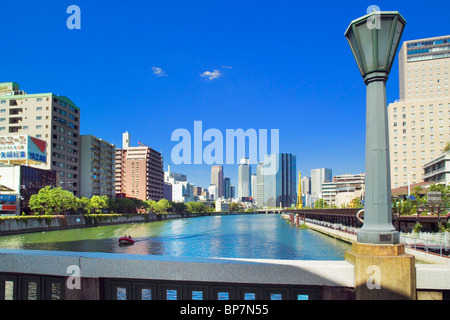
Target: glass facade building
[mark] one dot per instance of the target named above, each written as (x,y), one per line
(280,180)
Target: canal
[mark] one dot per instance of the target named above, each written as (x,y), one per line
(252,236)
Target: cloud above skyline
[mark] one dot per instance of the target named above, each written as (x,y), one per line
(211,75)
(159,72)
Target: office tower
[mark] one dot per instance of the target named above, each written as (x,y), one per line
(244,186)
(419,121)
(97,167)
(253,185)
(306,185)
(212,190)
(217,179)
(318,176)
(280,184)
(46,116)
(182,190)
(259,194)
(227,188)
(233,192)
(139,173)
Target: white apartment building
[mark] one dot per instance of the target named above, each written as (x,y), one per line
(49,117)
(419,125)
(97,171)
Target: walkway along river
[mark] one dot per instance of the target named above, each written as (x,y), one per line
(234,236)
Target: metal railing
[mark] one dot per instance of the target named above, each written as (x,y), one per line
(437,243)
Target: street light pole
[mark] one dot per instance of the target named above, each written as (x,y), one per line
(374,47)
(377,226)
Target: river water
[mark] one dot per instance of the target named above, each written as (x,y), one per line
(234,236)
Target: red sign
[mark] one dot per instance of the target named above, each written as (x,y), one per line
(7,207)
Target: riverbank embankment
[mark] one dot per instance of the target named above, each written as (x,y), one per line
(27,224)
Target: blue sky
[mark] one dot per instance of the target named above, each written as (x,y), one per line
(283,65)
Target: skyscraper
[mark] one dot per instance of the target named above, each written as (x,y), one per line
(259,194)
(244,183)
(419,121)
(318,176)
(226,188)
(217,179)
(280,184)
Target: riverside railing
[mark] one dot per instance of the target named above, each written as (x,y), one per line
(437,243)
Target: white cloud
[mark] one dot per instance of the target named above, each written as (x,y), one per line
(159,72)
(211,75)
(227,67)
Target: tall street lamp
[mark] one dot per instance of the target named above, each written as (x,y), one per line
(374,40)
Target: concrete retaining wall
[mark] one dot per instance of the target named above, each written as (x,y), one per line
(43,223)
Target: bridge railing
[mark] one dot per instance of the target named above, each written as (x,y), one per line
(78,275)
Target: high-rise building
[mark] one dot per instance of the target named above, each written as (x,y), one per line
(227,188)
(419,121)
(280,184)
(97,169)
(139,173)
(49,117)
(182,190)
(306,185)
(253,185)
(217,179)
(244,183)
(259,194)
(422,68)
(318,176)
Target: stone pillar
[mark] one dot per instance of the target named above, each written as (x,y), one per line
(383,272)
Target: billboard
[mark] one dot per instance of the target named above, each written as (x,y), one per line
(22,149)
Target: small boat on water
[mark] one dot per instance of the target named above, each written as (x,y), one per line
(126,240)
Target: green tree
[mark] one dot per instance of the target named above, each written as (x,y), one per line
(178,207)
(84,205)
(236,207)
(196,207)
(98,203)
(53,201)
(163,206)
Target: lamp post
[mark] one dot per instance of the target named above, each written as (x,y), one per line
(374,40)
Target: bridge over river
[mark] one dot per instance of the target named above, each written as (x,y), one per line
(63,274)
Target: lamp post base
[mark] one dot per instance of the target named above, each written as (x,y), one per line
(378,237)
(382,272)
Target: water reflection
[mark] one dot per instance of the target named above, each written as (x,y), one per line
(240,236)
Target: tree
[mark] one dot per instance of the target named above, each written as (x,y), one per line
(163,205)
(178,206)
(159,207)
(196,207)
(84,205)
(98,203)
(53,201)
(236,207)
(447,147)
